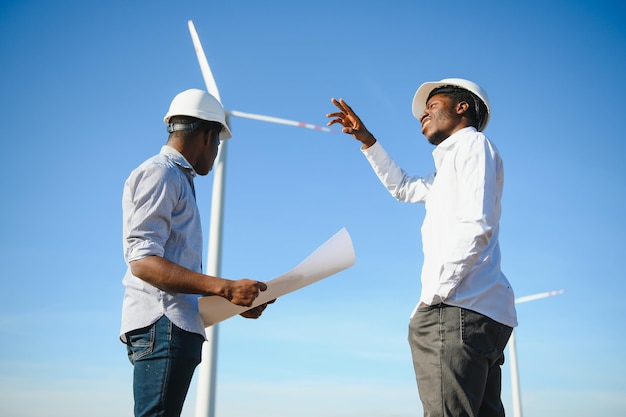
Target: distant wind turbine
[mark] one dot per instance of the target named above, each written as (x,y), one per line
(515,386)
(205,401)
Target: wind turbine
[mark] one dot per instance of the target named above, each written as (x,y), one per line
(515,386)
(205,401)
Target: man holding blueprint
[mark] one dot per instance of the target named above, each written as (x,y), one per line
(162,236)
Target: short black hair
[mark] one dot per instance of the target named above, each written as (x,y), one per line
(477,109)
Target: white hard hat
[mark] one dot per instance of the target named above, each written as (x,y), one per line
(201,105)
(421,96)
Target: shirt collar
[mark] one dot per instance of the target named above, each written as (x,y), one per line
(454,138)
(447,145)
(178,158)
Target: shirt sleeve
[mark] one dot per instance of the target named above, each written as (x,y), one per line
(477,213)
(401,186)
(150,197)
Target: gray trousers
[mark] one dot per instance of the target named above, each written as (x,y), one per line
(457,354)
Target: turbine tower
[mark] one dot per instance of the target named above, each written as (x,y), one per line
(515,386)
(205,401)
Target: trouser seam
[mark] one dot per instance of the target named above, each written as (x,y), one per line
(441,353)
(167,370)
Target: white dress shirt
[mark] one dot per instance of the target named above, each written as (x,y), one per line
(460,231)
(161,218)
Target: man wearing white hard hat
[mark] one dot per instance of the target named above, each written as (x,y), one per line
(162,240)
(465,313)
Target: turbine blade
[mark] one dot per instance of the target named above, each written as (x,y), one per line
(538,296)
(211,86)
(209,80)
(271,119)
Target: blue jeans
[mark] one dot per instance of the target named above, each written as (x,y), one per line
(457,354)
(164,359)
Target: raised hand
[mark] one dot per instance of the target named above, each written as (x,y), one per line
(351,123)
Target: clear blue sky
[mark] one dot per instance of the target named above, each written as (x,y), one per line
(85,85)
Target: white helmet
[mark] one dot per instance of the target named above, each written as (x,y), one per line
(201,105)
(421,96)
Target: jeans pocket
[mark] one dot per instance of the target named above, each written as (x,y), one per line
(482,334)
(140,343)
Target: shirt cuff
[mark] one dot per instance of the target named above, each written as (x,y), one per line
(143,250)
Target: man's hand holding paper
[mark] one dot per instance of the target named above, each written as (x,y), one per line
(333,256)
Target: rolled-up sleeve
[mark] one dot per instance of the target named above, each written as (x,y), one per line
(150,196)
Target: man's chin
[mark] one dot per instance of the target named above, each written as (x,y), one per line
(435,139)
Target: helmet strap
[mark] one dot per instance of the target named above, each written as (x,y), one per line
(174,127)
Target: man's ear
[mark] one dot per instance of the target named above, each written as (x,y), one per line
(462,107)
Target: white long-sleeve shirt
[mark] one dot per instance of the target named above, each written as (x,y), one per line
(460,231)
